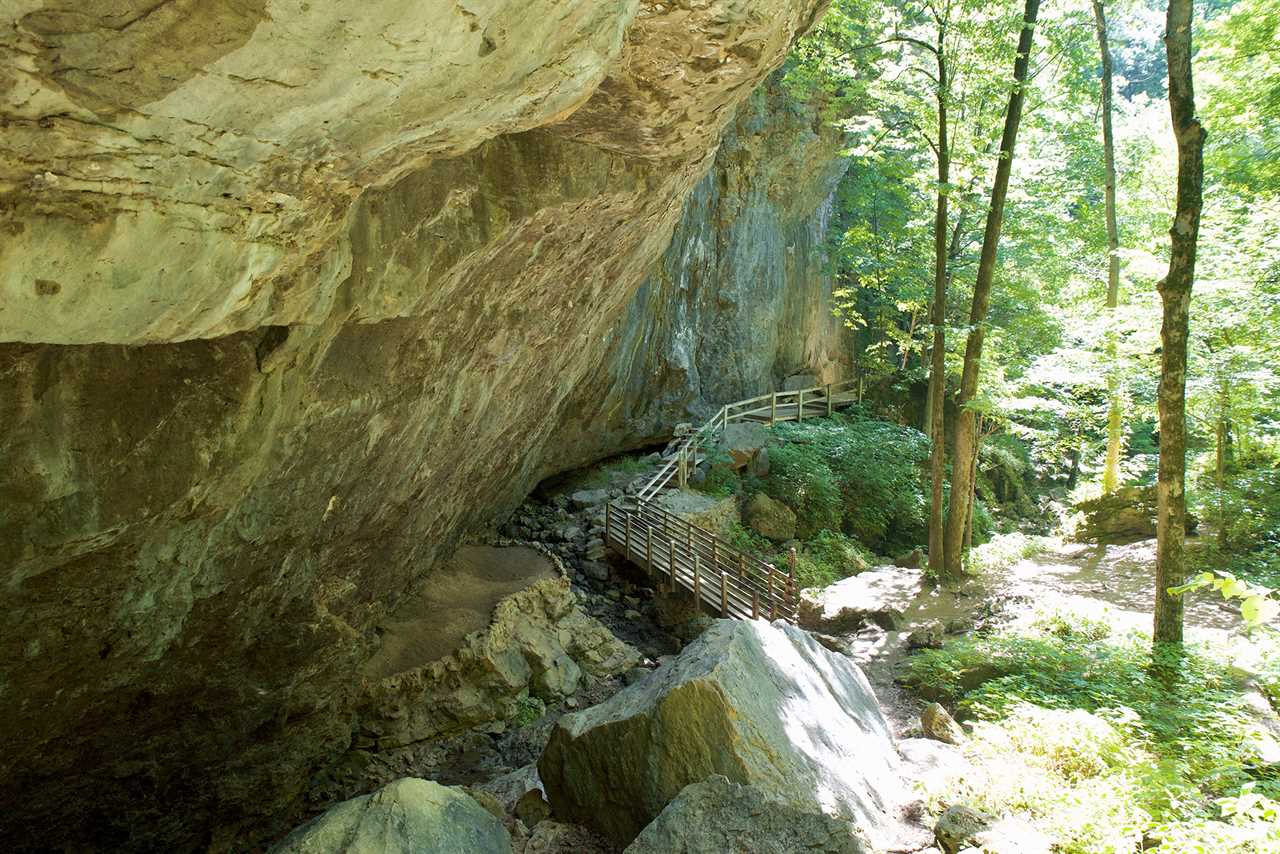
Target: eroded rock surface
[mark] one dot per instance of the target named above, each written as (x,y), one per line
(538,642)
(763,705)
(880,596)
(292,297)
(717,815)
(406,815)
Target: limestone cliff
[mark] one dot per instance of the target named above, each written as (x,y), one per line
(294,293)
(742,296)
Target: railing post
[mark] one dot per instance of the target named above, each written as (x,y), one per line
(671,564)
(715,552)
(755,604)
(829,404)
(791,576)
(800,405)
(648,547)
(697,582)
(742,566)
(608,517)
(773,409)
(627,539)
(724,594)
(773,601)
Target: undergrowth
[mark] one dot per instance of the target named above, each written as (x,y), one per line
(1106,748)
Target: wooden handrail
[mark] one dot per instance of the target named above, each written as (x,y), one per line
(728,579)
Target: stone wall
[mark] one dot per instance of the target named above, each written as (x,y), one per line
(292,298)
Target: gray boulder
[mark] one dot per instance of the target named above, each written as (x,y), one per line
(795,382)
(1128,513)
(742,440)
(938,725)
(717,815)
(587,498)
(770,518)
(957,827)
(879,596)
(763,705)
(403,816)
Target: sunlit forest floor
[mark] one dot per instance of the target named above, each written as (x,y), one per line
(1074,726)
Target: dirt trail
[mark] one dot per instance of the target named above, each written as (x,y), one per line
(1110,582)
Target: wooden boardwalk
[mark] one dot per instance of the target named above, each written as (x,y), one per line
(679,554)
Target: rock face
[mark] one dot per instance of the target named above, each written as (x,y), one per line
(770,518)
(1129,513)
(714,514)
(717,815)
(879,596)
(762,705)
(290,298)
(407,815)
(538,642)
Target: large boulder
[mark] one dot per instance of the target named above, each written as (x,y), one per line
(763,705)
(537,641)
(795,382)
(406,815)
(1128,513)
(718,815)
(705,511)
(742,440)
(771,518)
(879,596)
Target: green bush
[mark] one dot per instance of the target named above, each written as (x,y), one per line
(1101,744)
(829,557)
(853,475)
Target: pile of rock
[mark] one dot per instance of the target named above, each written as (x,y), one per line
(794,726)
(1128,513)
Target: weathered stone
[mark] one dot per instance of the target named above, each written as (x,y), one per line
(406,815)
(555,837)
(879,596)
(512,786)
(596,569)
(1128,513)
(761,704)
(585,499)
(717,815)
(759,464)
(795,382)
(770,518)
(957,827)
(538,640)
(742,440)
(913,559)
(938,724)
(705,511)
(532,808)
(928,635)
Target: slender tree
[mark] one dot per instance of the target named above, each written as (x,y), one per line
(966,431)
(938,367)
(1175,297)
(1115,409)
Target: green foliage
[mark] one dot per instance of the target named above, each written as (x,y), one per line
(722,480)
(829,557)
(1002,551)
(1103,744)
(852,474)
(1245,517)
(528,710)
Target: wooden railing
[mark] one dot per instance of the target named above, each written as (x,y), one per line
(769,409)
(681,554)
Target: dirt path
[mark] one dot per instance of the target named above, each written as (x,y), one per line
(1107,582)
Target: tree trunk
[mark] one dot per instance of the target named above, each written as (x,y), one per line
(1175,297)
(1115,413)
(966,424)
(1222,435)
(938,354)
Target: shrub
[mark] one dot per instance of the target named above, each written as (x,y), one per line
(1101,744)
(853,475)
